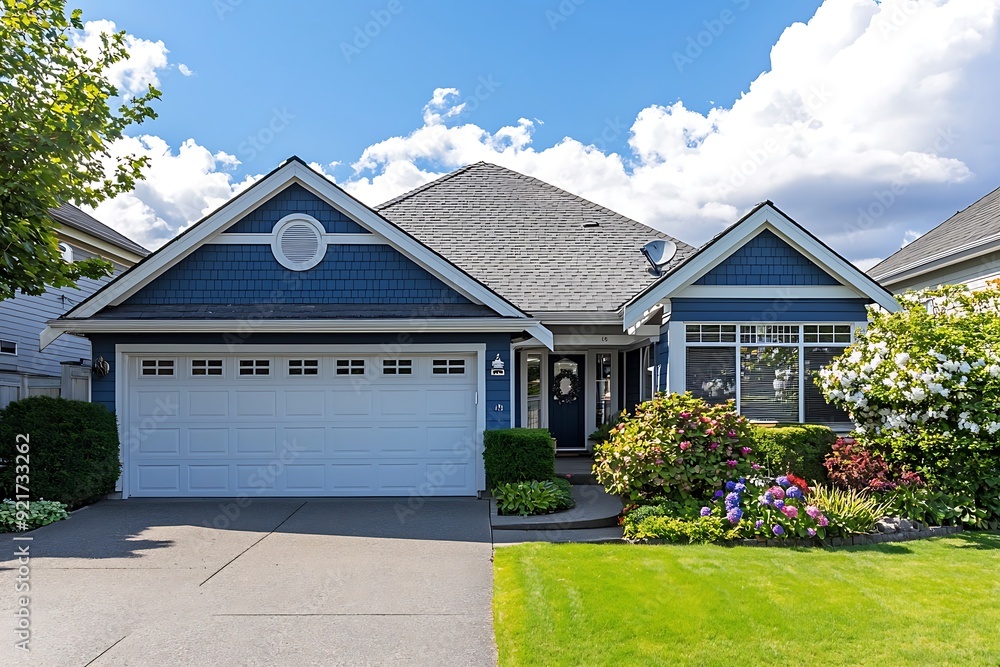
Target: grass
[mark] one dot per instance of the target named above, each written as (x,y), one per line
(931,602)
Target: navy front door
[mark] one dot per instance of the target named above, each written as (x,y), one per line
(566,374)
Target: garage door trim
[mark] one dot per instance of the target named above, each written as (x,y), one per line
(125,352)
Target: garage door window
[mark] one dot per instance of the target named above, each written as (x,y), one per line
(448,367)
(202,367)
(157,367)
(397,367)
(303,366)
(255,367)
(350,366)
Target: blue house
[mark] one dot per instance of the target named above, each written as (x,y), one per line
(296,342)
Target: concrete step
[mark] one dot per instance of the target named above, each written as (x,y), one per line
(595,508)
(589,535)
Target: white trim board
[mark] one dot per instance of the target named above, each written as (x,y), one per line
(291,171)
(766,217)
(56,328)
(265,239)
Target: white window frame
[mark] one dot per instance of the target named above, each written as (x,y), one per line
(445,367)
(396,365)
(678,330)
(302,367)
(159,363)
(350,366)
(255,360)
(207,367)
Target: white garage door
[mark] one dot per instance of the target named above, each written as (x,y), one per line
(207,424)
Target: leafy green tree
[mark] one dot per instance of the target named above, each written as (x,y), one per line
(56,128)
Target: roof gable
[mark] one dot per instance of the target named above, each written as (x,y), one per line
(764,219)
(543,248)
(292,174)
(767,259)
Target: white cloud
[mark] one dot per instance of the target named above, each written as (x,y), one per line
(867,262)
(134,75)
(909,237)
(869,114)
(185,70)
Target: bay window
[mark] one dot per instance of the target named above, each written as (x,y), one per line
(769,369)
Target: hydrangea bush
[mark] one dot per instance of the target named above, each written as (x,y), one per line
(675,447)
(923,387)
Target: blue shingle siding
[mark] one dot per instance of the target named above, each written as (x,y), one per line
(294,199)
(662,357)
(249,274)
(767,260)
(498,388)
(768,310)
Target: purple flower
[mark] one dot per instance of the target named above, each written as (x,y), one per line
(713,446)
(811,531)
(706,511)
(777,492)
(793,492)
(734,515)
(730,485)
(755,466)
(685,415)
(767,498)
(746,451)
(740,488)
(731,434)
(791,511)
(731,463)
(760,522)
(813,511)
(777,530)
(783,481)
(719,494)
(822,521)
(778,504)
(732,500)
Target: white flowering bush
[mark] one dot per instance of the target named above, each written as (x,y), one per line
(923,388)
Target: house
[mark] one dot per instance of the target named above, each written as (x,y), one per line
(962,250)
(296,342)
(63,369)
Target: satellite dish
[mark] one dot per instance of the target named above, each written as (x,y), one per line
(659,253)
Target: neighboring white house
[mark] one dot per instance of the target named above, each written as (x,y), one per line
(962,250)
(24,370)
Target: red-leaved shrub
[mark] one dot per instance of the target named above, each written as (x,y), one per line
(851,466)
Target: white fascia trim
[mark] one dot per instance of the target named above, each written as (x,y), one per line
(56,328)
(265,239)
(99,247)
(768,292)
(293,172)
(765,218)
(941,260)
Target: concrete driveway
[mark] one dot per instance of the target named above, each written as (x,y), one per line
(271,582)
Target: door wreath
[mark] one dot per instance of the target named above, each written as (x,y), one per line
(573,391)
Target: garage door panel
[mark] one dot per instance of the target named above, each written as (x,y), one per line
(256,403)
(351,403)
(256,440)
(208,441)
(208,479)
(324,435)
(208,404)
(305,403)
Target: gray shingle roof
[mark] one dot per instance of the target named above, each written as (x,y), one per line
(542,248)
(73,217)
(979,222)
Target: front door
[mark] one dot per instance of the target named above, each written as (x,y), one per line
(566,417)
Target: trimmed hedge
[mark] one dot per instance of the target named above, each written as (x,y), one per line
(72,454)
(518,455)
(800,449)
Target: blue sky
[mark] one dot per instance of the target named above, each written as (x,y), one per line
(869,122)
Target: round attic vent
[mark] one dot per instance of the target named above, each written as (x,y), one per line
(298,242)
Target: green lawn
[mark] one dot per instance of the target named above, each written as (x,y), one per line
(932,602)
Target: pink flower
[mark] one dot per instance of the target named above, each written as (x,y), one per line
(791,511)
(777,492)
(822,521)
(685,415)
(659,462)
(685,445)
(746,451)
(713,446)
(731,463)
(813,511)
(755,466)
(731,434)
(709,432)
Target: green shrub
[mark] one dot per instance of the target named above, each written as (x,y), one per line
(850,511)
(518,455)
(700,530)
(800,449)
(526,498)
(38,513)
(72,452)
(675,447)
(932,507)
(565,493)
